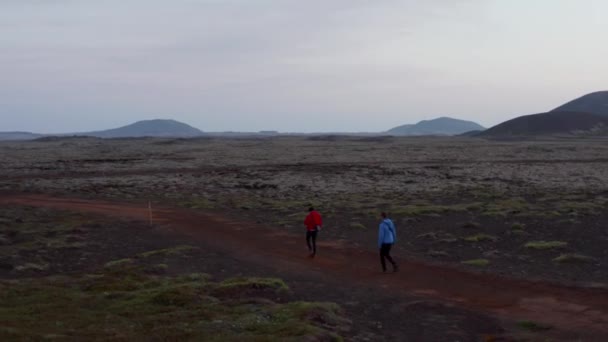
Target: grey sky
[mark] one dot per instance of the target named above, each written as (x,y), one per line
(293,65)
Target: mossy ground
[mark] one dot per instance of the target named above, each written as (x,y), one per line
(127,304)
(476,262)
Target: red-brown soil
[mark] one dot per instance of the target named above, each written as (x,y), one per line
(573,312)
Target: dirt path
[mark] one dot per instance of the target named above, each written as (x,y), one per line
(567,309)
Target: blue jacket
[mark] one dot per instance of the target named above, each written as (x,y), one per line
(386,232)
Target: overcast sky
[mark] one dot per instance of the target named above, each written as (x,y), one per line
(293,65)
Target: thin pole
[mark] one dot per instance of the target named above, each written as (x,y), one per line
(150,211)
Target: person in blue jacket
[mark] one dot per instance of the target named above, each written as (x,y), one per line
(387,236)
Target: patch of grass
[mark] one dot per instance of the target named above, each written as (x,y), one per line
(476,262)
(471,225)
(197,203)
(64,243)
(324,314)
(533,326)
(173,251)
(518,226)
(357,225)
(573,258)
(32,267)
(196,277)
(100,307)
(576,207)
(433,210)
(519,232)
(480,238)
(119,263)
(542,245)
(253,283)
(300,206)
(156,269)
(438,254)
(506,207)
(438,236)
(429,235)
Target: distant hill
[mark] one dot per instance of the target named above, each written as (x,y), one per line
(551,123)
(439,126)
(19,136)
(145,128)
(149,128)
(594,103)
(470,133)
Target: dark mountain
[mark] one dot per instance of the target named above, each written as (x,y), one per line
(439,126)
(594,103)
(149,128)
(551,123)
(18,136)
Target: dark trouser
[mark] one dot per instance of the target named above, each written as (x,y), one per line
(311,241)
(385,252)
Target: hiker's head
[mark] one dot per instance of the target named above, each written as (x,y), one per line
(311,209)
(383,214)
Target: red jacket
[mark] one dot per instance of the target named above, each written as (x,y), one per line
(313,219)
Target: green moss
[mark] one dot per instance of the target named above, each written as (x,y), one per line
(29,230)
(119,263)
(176,295)
(430,209)
(438,254)
(533,326)
(173,251)
(545,244)
(32,267)
(471,225)
(322,314)
(99,307)
(429,235)
(518,226)
(480,238)
(195,277)
(477,262)
(519,232)
(582,206)
(156,269)
(357,225)
(573,258)
(506,207)
(254,283)
(197,203)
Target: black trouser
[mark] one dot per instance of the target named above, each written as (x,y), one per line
(385,252)
(311,241)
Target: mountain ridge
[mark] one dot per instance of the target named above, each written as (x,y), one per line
(550,124)
(594,103)
(586,115)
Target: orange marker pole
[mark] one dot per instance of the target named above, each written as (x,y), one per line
(150,211)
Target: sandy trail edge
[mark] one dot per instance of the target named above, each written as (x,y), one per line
(566,308)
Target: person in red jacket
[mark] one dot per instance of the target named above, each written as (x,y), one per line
(313,224)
